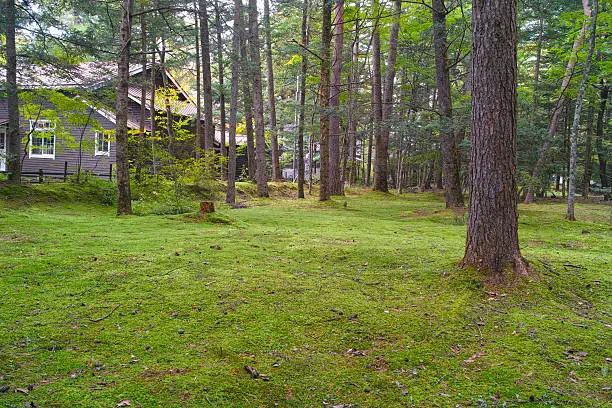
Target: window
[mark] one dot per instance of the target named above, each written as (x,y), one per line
(102,144)
(42,139)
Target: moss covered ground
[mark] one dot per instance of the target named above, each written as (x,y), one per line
(357,302)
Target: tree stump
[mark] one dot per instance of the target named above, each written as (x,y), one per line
(207,207)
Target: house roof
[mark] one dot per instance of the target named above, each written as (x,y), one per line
(94,75)
(182,107)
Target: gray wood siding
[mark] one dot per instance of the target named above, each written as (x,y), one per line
(99,165)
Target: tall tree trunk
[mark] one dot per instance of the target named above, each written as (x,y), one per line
(599,141)
(302,112)
(381,149)
(153,112)
(276,172)
(167,107)
(352,118)
(324,190)
(554,120)
(571,195)
(198,125)
(492,236)
(230,197)
(450,150)
(588,153)
(124,198)
(247,98)
(335,178)
(536,74)
(209,126)
(13,144)
(221,78)
(368,176)
(258,109)
(310,162)
(139,159)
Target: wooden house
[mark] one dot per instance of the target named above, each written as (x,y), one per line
(58,141)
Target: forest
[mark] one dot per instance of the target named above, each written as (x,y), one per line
(305,203)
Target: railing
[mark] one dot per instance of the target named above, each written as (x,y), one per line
(41,174)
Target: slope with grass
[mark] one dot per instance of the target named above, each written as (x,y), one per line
(356,302)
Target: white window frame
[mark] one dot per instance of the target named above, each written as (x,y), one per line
(97,151)
(37,123)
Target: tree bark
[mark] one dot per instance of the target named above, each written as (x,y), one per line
(554,120)
(13,142)
(167,107)
(139,159)
(124,197)
(209,126)
(258,110)
(387,101)
(247,98)
(198,124)
(221,78)
(536,74)
(588,153)
(276,172)
(382,145)
(324,190)
(571,191)
(302,112)
(450,150)
(492,236)
(352,118)
(230,197)
(599,142)
(152,110)
(335,177)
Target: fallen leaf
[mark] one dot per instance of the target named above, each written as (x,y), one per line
(124,403)
(22,390)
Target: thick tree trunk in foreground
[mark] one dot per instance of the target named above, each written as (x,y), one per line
(381,153)
(554,120)
(571,190)
(492,236)
(209,126)
(276,172)
(13,142)
(335,177)
(258,110)
(124,197)
(230,197)
(324,191)
(302,113)
(450,150)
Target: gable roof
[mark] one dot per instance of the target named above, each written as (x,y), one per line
(95,75)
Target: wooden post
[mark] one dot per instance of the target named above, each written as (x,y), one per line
(110,172)
(40,175)
(207,207)
(65,171)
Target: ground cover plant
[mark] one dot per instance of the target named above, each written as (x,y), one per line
(356,302)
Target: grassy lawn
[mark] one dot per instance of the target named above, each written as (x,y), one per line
(354,303)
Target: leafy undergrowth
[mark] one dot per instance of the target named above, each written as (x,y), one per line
(356,303)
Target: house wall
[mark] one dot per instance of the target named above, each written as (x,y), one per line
(99,165)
